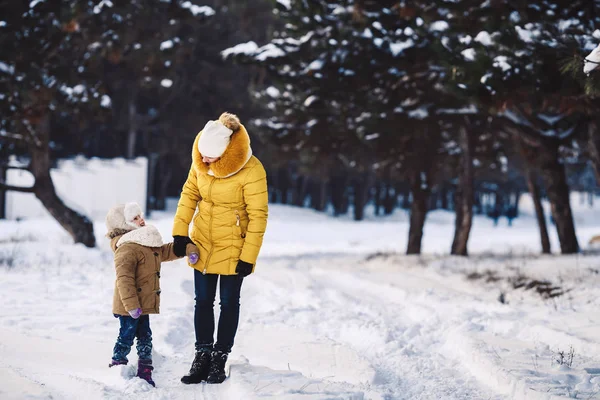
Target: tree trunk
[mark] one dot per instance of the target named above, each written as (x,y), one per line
(444,197)
(2,192)
(301,187)
(405,197)
(378,199)
(151,194)
(539,210)
(361,195)
(79,227)
(555,180)
(339,194)
(133,126)
(464,195)
(418,212)
(284,183)
(273,187)
(319,195)
(166,172)
(594,149)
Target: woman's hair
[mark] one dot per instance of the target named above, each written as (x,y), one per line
(231,121)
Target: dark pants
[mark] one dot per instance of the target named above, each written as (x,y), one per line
(204,319)
(133,328)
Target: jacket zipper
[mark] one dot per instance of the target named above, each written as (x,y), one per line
(210,221)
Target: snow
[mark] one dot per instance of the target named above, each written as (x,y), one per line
(526,35)
(272,91)
(102,4)
(501,62)
(196,10)
(9,69)
(286,3)
(419,113)
(167,44)
(309,100)
(316,65)
(248,48)
(466,39)
(334,310)
(469,54)
(592,61)
(2,24)
(439,26)
(484,38)
(372,136)
(166,83)
(105,101)
(269,51)
(399,47)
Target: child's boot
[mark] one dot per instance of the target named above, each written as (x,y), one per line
(114,363)
(145,371)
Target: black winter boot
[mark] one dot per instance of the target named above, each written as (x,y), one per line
(216,374)
(199,370)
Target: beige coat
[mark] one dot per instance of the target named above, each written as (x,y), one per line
(138,258)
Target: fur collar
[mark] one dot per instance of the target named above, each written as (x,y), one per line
(146,236)
(235,157)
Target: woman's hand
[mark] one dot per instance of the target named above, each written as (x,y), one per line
(243,268)
(179,245)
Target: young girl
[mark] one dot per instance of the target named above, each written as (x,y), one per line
(139,252)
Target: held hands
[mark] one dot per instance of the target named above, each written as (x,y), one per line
(135,314)
(243,268)
(179,245)
(192,252)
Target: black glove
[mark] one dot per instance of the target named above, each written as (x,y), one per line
(243,268)
(179,243)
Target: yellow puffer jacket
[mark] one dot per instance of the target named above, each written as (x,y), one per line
(228,203)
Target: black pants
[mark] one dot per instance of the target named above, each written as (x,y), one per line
(204,320)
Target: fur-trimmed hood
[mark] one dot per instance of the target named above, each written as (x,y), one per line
(235,157)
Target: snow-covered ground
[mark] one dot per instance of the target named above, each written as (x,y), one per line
(334,311)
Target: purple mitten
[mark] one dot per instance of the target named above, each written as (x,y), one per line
(193,258)
(135,314)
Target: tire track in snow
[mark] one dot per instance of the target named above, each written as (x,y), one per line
(400,334)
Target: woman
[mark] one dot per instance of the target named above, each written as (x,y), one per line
(227,186)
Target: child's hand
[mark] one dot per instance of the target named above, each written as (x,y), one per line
(135,314)
(193,253)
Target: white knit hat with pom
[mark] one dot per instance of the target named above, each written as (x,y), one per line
(214,139)
(131,211)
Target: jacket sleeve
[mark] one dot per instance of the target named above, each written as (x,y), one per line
(256,198)
(126,265)
(188,201)
(166,252)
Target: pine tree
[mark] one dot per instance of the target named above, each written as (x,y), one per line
(56,65)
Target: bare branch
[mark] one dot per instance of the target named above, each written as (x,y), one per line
(26,168)
(4,186)
(12,136)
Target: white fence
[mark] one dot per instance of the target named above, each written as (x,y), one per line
(90,186)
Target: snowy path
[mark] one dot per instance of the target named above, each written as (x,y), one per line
(338,325)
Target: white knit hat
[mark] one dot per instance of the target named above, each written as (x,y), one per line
(214,139)
(131,211)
